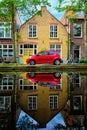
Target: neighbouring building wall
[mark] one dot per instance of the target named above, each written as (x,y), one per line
(76,34)
(6,42)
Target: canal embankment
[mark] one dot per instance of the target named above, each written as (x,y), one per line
(44,68)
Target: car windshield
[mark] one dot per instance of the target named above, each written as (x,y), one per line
(44,84)
(50,84)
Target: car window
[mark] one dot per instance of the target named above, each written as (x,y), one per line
(42,53)
(51,53)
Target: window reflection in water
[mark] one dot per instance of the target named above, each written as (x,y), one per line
(43,97)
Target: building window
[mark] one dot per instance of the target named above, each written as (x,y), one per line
(24,84)
(53,101)
(76,81)
(53,31)
(56,47)
(32,31)
(5,30)
(77,30)
(5,104)
(77,102)
(6,83)
(28,49)
(32,102)
(6,50)
(57,87)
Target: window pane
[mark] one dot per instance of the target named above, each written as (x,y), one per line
(4,46)
(77,30)
(1,32)
(7,32)
(53,31)
(32,30)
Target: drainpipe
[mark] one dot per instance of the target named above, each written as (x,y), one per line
(85,28)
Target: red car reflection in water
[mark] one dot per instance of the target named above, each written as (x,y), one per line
(45,79)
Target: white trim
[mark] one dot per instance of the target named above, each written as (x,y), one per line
(32,103)
(80,96)
(4,27)
(81,30)
(53,31)
(29,47)
(3,107)
(54,48)
(7,84)
(32,31)
(27,84)
(53,107)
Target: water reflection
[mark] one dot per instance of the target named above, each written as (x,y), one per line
(45,79)
(43,100)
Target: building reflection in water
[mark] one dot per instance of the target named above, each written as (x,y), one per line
(42,102)
(7,104)
(42,97)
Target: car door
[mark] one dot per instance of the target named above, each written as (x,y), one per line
(41,57)
(51,55)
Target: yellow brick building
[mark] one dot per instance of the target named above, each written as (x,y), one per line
(42,32)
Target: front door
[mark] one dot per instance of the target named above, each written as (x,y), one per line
(76,54)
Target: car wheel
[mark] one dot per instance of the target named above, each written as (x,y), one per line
(56,62)
(32,75)
(32,62)
(57,75)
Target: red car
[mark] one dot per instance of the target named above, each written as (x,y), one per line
(44,79)
(47,56)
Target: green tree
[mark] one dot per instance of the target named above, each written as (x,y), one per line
(76,6)
(26,8)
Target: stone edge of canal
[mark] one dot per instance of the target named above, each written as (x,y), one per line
(44,68)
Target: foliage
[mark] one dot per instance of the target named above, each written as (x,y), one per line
(75,5)
(26,8)
(83,60)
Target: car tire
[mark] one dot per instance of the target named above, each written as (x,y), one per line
(57,75)
(56,62)
(32,62)
(32,75)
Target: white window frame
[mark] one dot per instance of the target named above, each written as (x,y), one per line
(74,29)
(7,49)
(32,103)
(75,79)
(3,107)
(78,50)
(55,48)
(7,86)
(32,32)
(4,27)
(80,96)
(53,25)
(58,87)
(52,103)
(22,48)
(28,84)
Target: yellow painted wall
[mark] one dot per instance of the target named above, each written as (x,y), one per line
(43,23)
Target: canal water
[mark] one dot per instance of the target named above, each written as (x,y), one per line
(43,101)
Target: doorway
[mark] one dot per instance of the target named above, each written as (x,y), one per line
(76,55)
